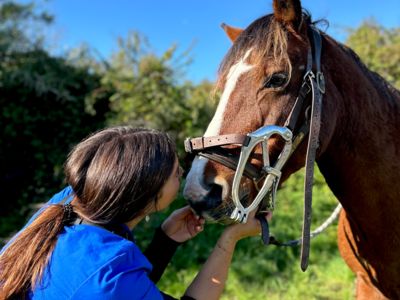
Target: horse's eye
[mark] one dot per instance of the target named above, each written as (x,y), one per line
(275,81)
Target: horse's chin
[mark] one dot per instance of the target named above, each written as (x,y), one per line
(222,213)
(214,216)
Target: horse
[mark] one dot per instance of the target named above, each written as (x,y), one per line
(357,147)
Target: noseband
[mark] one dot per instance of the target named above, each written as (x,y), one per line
(292,133)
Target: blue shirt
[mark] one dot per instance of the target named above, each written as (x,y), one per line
(90,262)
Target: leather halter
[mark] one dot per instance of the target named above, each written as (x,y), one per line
(313,85)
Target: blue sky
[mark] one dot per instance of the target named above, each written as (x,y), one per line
(194,22)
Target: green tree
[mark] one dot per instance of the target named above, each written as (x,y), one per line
(379,48)
(148,90)
(20,26)
(43,112)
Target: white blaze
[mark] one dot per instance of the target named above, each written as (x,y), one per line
(194,189)
(234,74)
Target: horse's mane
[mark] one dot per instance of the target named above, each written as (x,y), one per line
(382,85)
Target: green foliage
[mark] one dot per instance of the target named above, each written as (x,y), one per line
(148,92)
(44,112)
(20,26)
(43,115)
(379,48)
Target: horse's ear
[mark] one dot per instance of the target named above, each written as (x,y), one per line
(288,11)
(231,32)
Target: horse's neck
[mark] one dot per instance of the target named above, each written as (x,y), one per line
(367,101)
(361,163)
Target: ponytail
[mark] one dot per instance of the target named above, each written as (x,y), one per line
(24,261)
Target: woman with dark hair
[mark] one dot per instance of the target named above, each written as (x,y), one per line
(80,246)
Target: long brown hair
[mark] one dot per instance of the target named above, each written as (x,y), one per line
(116,174)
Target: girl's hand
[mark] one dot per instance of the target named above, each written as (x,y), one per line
(251,228)
(182,225)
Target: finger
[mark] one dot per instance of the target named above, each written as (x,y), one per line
(199,228)
(185,209)
(194,230)
(182,212)
(192,218)
(199,222)
(195,227)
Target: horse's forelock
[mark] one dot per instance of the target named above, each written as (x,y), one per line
(267,37)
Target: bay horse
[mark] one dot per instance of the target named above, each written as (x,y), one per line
(358,150)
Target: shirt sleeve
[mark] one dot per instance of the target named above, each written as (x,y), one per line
(159,253)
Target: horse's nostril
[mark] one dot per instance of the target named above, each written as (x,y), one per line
(215,195)
(212,200)
(197,205)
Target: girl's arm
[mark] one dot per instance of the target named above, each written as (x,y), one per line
(210,281)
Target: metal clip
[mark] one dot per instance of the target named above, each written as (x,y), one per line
(238,215)
(273,173)
(309,74)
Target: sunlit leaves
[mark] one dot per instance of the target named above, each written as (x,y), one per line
(379,48)
(149,89)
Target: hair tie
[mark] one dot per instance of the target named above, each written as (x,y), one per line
(69,214)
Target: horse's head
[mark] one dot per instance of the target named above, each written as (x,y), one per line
(259,80)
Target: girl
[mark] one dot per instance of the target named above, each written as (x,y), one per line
(80,246)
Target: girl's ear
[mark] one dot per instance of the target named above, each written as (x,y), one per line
(231,32)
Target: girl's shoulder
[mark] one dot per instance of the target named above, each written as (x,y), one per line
(93,246)
(90,260)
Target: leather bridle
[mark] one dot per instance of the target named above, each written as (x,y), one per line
(308,101)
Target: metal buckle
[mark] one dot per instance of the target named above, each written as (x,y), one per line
(188,145)
(309,74)
(260,136)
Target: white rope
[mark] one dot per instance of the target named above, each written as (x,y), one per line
(319,229)
(327,222)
